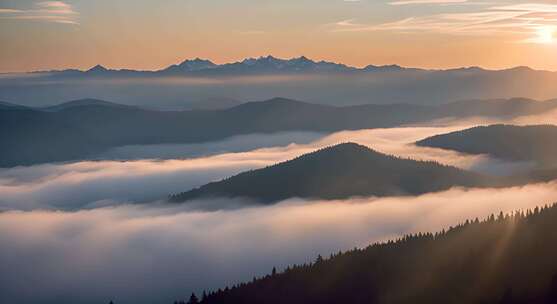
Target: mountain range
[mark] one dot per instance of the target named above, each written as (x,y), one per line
(248,66)
(180,85)
(338,172)
(83,128)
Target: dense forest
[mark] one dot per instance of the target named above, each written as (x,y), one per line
(337,172)
(519,143)
(85,128)
(504,259)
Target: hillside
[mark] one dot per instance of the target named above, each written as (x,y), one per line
(337,172)
(517,143)
(83,128)
(502,260)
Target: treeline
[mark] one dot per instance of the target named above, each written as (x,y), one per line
(504,259)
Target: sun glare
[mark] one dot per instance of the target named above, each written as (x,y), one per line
(546,35)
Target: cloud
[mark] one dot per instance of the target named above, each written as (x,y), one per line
(91,246)
(89,184)
(47,11)
(55,4)
(518,20)
(156,254)
(406,2)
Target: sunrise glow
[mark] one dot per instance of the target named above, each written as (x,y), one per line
(546,35)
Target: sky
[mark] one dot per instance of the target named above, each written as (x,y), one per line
(143,34)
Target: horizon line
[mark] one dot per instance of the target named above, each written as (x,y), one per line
(278,58)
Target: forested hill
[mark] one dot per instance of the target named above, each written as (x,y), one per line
(523,143)
(506,259)
(336,172)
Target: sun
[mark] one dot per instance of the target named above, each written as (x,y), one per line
(546,35)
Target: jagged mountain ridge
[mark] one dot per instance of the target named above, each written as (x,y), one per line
(201,67)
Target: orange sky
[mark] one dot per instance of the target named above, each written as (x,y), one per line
(142,34)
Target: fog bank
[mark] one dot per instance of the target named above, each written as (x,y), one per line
(155,254)
(90,184)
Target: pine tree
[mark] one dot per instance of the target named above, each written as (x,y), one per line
(193,299)
(319,259)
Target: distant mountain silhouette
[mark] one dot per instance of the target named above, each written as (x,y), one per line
(11,106)
(98,69)
(266,65)
(84,103)
(505,259)
(386,68)
(298,78)
(249,66)
(518,143)
(338,172)
(86,127)
(187,66)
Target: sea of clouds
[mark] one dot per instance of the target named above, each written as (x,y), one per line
(92,184)
(95,231)
(159,253)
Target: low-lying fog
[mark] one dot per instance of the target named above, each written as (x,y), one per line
(70,232)
(410,86)
(91,184)
(155,254)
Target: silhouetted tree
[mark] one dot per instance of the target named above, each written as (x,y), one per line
(426,268)
(193,299)
(319,259)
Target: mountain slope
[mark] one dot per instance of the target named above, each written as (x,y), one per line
(518,143)
(502,260)
(337,172)
(102,125)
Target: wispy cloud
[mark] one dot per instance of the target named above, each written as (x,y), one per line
(528,20)
(406,2)
(46,11)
